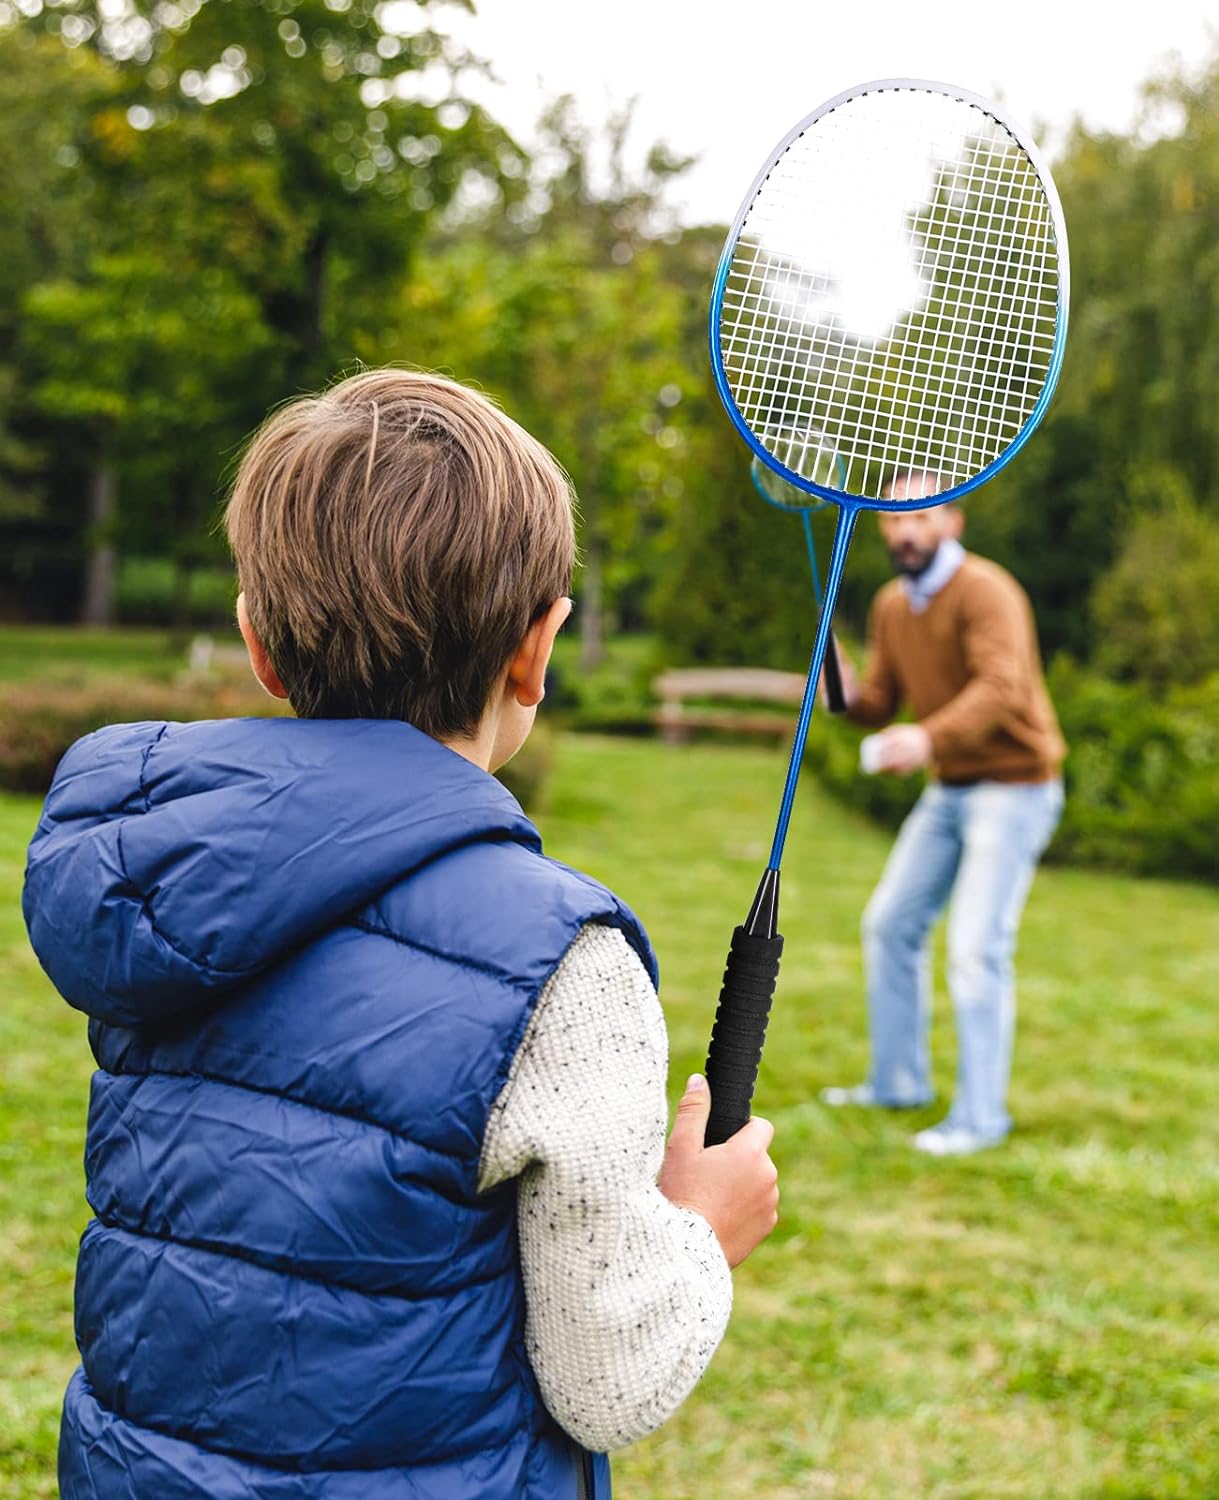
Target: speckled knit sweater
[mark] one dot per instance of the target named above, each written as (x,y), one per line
(627,1296)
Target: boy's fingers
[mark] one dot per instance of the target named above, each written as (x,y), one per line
(761,1132)
(693,1110)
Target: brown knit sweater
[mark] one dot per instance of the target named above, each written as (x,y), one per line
(970,671)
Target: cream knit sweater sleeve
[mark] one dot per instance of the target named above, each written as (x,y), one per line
(626,1295)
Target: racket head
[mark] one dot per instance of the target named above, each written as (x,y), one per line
(921,328)
(821,463)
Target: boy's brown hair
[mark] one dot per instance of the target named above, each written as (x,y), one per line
(395,536)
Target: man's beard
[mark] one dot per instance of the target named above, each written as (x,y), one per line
(912,561)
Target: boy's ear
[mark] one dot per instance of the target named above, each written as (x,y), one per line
(259,660)
(527,669)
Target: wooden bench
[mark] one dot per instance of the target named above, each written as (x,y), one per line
(690,699)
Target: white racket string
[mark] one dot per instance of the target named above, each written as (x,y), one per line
(893,293)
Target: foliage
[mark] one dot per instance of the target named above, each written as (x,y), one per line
(1036,1322)
(41,717)
(615,696)
(737,587)
(1133,425)
(39,721)
(230,196)
(232,201)
(579,320)
(318,141)
(1142,776)
(1157,608)
(1136,417)
(43,204)
(150,590)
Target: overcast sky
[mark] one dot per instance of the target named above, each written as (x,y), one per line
(724,80)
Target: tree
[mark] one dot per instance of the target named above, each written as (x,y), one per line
(571,314)
(120,359)
(317,142)
(41,209)
(251,182)
(1138,403)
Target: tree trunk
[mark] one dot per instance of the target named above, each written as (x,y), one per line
(592,607)
(102,563)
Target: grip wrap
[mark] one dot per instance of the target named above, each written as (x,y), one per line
(835,698)
(739,1030)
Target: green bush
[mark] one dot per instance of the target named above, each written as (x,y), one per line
(39,721)
(615,696)
(147,593)
(1157,609)
(1142,776)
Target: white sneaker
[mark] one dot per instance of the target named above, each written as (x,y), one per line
(953,1140)
(858,1093)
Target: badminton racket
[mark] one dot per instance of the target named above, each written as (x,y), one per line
(922,330)
(786,497)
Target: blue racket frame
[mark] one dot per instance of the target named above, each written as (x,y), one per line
(841,497)
(849,505)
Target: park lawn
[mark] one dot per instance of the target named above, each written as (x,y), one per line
(1037,1322)
(61,653)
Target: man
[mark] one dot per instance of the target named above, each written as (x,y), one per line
(953,638)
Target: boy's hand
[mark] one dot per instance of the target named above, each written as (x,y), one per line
(734,1186)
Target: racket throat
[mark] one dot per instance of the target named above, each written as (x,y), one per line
(847,516)
(763,918)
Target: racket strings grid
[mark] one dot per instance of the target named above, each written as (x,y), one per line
(949,353)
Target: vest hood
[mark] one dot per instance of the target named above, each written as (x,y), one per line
(174,862)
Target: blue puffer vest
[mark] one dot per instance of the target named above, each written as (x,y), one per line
(309,951)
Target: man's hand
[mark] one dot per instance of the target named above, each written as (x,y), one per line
(734,1186)
(903,748)
(850,681)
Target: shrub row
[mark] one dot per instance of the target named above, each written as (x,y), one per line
(1142,776)
(150,591)
(38,721)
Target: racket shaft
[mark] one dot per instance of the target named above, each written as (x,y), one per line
(838,555)
(740,1030)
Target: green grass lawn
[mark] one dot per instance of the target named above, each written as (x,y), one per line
(1039,1321)
(63,653)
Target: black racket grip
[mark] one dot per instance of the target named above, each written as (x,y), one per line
(739,1031)
(835,698)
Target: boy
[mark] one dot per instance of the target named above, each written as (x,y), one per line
(373,1144)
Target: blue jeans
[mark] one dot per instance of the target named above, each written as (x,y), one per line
(980,844)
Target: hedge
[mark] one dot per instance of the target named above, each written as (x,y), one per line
(38,721)
(1142,775)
